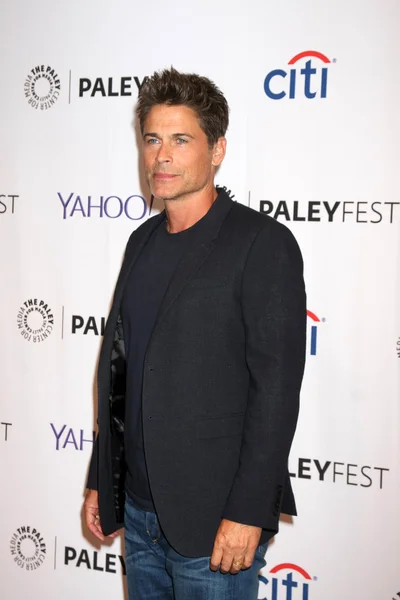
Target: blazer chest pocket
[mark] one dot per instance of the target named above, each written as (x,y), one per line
(215,427)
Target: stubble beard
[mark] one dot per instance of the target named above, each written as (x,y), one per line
(149,179)
(179,195)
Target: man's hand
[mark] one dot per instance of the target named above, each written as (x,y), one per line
(92,516)
(234,547)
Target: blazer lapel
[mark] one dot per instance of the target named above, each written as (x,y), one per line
(199,250)
(132,252)
(190,263)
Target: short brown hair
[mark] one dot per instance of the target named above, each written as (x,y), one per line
(171,87)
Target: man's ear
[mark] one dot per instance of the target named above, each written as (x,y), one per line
(219,151)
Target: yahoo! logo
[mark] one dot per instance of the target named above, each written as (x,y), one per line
(289,588)
(133,207)
(67,436)
(314,332)
(272,82)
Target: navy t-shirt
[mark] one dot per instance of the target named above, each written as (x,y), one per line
(145,288)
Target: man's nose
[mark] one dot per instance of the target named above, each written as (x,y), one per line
(164,154)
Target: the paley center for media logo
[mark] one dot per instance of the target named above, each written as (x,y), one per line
(28,548)
(305,77)
(42,87)
(35,320)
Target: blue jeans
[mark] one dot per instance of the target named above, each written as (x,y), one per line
(155,571)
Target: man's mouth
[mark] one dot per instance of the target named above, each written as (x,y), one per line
(164,176)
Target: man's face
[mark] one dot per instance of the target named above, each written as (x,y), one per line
(177,158)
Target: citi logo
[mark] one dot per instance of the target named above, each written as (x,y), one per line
(313,332)
(309,81)
(295,586)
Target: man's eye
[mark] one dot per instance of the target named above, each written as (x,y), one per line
(181,141)
(152,141)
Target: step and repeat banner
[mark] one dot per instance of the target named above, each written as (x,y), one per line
(313,142)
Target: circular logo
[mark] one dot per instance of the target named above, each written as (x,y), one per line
(28,548)
(35,320)
(42,87)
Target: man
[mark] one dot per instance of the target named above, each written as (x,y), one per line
(200,369)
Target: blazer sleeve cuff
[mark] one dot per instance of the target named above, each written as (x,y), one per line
(263,510)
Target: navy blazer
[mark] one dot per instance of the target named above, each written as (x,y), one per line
(221,382)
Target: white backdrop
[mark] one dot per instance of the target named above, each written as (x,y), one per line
(314,143)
